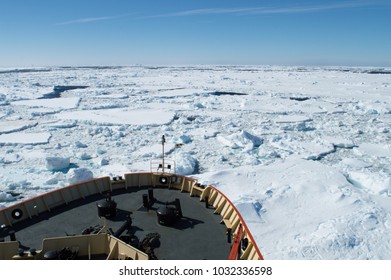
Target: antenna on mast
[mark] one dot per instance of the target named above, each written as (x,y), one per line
(163,141)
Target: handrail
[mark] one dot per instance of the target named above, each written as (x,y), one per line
(168,166)
(52,199)
(234,254)
(242,222)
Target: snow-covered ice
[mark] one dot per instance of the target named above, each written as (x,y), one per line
(15,125)
(63,103)
(77,175)
(121,116)
(307,210)
(243,139)
(303,152)
(57,163)
(25,138)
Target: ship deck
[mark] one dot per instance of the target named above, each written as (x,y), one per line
(197,235)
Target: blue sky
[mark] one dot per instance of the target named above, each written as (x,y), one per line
(119,32)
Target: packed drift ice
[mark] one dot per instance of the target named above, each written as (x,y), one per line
(304,153)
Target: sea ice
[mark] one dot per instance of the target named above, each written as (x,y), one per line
(8,126)
(53,180)
(375,183)
(292,119)
(6,197)
(25,138)
(56,163)
(55,103)
(243,140)
(3,99)
(77,175)
(121,116)
(374,149)
(185,164)
(297,197)
(10,158)
(84,156)
(179,92)
(79,144)
(183,139)
(303,152)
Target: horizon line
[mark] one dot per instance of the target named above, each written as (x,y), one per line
(191,64)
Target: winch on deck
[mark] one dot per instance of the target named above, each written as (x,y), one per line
(107,208)
(169,214)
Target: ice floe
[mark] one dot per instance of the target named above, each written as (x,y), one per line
(292,119)
(376,183)
(56,103)
(121,116)
(185,164)
(77,175)
(374,149)
(6,197)
(282,201)
(242,139)
(25,138)
(15,125)
(56,163)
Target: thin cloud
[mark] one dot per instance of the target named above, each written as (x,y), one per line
(211,11)
(269,10)
(308,9)
(89,20)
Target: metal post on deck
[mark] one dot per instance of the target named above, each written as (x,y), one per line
(163,141)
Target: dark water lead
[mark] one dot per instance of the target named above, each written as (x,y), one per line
(377,72)
(297,98)
(220,93)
